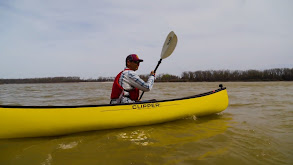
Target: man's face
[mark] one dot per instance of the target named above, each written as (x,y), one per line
(133,65)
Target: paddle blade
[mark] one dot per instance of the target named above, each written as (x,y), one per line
(169,45)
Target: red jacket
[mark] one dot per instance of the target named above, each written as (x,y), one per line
(117,89)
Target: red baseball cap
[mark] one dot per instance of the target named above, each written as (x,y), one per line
(133,57)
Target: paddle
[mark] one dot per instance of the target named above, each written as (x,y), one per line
(167,50)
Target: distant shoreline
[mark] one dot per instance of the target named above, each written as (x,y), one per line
(276,74)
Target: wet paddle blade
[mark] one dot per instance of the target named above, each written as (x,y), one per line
(169,45)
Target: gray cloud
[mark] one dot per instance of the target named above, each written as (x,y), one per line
(92,38)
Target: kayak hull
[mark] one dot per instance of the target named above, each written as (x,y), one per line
(36,121)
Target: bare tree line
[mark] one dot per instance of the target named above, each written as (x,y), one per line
(52,80)
(277,74)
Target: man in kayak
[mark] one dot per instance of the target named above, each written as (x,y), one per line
(127,83)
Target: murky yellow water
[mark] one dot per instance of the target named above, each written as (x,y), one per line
(257,128)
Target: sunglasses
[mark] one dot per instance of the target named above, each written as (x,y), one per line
(137,62)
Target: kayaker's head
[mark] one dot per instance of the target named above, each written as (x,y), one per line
(132,61)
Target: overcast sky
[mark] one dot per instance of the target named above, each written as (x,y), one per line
(91,38)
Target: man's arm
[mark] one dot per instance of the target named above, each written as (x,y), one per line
(137,82)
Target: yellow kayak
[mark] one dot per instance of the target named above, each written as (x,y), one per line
(36,121)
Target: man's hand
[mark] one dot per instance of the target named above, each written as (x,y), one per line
(153,73)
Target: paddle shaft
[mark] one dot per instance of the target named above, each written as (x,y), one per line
(159,62)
